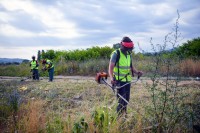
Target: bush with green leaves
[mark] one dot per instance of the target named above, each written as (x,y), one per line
(190,49)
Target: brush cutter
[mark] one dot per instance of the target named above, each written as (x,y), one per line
(102,77)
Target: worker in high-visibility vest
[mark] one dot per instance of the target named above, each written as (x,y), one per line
(121,71)
(48,65)
(34,68)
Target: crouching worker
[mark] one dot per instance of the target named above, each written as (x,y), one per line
(34,68)
(48,65)
(121,71)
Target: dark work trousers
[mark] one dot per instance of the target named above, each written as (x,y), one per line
(35,74)
(125,93)
(51,73)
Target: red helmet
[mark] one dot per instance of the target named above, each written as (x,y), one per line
(126,42)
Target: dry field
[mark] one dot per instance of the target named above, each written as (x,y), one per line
(56,106)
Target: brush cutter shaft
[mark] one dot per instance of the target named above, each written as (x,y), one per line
(123,99)
(115,87)
(114,91)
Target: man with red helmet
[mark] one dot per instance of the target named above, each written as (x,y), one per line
(121,71)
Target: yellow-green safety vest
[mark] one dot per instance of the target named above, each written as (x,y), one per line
(124,72)
(33,65)
(48,63)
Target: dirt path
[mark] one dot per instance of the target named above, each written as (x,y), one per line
(44,78)
(184,82)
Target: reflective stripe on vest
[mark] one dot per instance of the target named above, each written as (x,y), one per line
(33,64)
(124,68)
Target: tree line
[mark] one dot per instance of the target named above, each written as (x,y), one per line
(76,55)
(190,49)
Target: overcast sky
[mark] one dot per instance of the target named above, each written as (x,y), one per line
(27,26)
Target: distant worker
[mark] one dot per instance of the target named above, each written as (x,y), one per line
(121,71)
(34,68)
(48,65)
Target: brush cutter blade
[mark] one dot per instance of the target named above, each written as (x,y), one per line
(101,77)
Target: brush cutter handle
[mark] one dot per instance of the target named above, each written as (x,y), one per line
(101,78)
(118,87)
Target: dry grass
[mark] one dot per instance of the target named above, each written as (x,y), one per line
(190,67)
(32,117)
(187,67)
(60,104)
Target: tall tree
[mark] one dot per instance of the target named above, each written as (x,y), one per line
(43,54)
(39,55)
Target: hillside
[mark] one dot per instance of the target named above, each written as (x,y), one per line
(11,60)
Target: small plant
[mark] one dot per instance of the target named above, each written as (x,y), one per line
(104,118)
(81,126)
(54,124)
(14,102)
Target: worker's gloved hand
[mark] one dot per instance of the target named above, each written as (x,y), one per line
(140,73)
(113,81)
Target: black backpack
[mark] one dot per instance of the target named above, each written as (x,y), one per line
(117,59)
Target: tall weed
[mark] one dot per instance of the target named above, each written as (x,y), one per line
(32,117)
(190,67)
